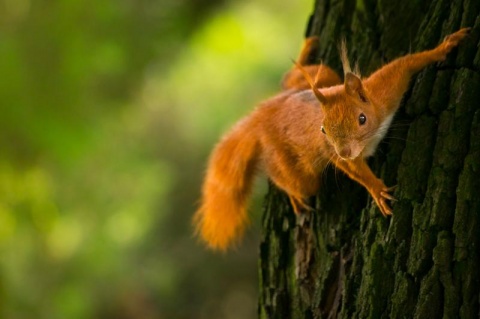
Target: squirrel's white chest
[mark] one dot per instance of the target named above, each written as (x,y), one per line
(372,145)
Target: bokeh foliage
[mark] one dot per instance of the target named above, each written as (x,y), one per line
(108,112)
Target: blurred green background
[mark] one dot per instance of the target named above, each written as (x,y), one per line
(108,112)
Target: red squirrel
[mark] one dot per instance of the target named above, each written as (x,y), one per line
(293,136)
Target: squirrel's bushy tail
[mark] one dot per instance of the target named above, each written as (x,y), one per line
(222,216)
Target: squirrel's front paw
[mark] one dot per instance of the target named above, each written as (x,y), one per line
(299,206)
(451,41)
(381,195)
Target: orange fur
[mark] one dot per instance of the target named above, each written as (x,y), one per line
(296,134)
(222,215)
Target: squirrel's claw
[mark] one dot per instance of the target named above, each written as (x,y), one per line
(381,200)
(451,41)
(457,36)
(299,206)
(384,207)
(388,196)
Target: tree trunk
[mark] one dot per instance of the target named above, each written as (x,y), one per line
(347,261)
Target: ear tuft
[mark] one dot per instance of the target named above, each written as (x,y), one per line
(313,84)
(344,57)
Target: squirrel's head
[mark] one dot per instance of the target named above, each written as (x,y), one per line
(349,121)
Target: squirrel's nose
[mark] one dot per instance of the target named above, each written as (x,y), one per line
(345,152)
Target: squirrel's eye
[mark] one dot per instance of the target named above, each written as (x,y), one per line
(323,129)
(362,119)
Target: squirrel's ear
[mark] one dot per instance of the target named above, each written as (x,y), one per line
(319,96)
(354,86)
(313,84)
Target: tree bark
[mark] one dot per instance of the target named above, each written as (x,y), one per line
(345,260)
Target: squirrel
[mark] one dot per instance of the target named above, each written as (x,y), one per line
(315,121)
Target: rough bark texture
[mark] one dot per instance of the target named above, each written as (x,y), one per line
(345,260)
